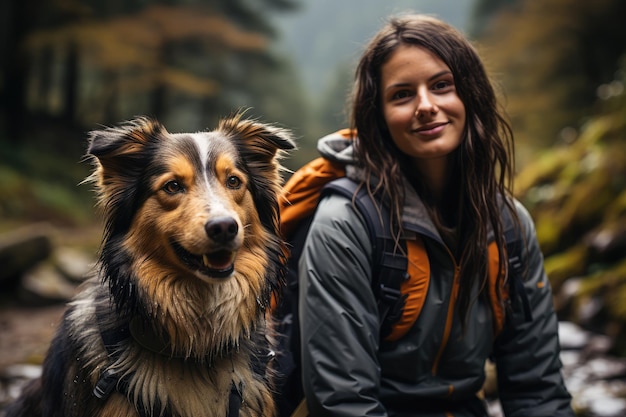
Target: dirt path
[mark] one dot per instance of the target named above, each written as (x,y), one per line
(26,332)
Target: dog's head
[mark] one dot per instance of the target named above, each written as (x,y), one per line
(186,204)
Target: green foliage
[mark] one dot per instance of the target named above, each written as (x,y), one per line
(615,278)
(569,263)
(39,181)
(187,63)
(78,65)
(570,186)
(129,58)
(550,57)
(26,197)
(576,192)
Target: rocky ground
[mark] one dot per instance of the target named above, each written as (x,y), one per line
(41,270)
(26,333)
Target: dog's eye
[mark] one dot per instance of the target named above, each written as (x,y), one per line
(173,187)
(233,182)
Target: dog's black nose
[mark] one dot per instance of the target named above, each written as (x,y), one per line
(221,229)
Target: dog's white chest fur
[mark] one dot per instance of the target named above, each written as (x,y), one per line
(187,389)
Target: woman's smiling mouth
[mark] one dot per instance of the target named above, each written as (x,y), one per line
(431,129)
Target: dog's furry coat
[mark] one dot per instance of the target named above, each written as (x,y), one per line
(189,260)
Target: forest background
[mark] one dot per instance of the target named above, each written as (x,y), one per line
(69,66)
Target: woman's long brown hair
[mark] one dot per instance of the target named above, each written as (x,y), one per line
(483,164)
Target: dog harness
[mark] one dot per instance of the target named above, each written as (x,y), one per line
(110,380)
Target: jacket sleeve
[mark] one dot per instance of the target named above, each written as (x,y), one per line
(338,315)
(527,352)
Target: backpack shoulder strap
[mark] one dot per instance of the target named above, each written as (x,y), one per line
(497,305)
(513,291)
(389,266)
(517,265)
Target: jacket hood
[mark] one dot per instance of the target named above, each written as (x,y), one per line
(337,147)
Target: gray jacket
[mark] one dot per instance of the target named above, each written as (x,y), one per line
(348,371)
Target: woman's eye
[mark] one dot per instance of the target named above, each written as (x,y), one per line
(440,85)
(233,182)
(398,95)
(173,187)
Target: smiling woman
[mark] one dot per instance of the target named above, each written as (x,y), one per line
(433,146)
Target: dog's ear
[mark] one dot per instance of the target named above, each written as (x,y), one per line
(121,151)
(119,157)
(259,141)
(123,141)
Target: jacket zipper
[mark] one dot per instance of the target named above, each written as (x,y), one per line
(453,296)
(450,316)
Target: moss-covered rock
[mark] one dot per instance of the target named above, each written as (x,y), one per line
(576,192)
(566,264)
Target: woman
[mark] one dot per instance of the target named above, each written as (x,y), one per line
(432,142)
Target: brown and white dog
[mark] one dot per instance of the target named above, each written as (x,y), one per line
(174,322)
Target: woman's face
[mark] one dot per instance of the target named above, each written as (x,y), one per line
(423,112)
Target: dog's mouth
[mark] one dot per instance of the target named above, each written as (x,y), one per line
(218,264)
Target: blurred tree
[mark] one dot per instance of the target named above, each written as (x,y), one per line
(68,66)
(550,57)
(14,27)
(95,61)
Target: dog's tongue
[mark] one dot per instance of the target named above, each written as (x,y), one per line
(218,260)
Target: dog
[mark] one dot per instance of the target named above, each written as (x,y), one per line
(174,320)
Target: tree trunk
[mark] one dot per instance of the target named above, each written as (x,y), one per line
(44,78)
(71,83)
(14,65)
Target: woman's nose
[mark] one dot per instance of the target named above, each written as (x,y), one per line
(425,105)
